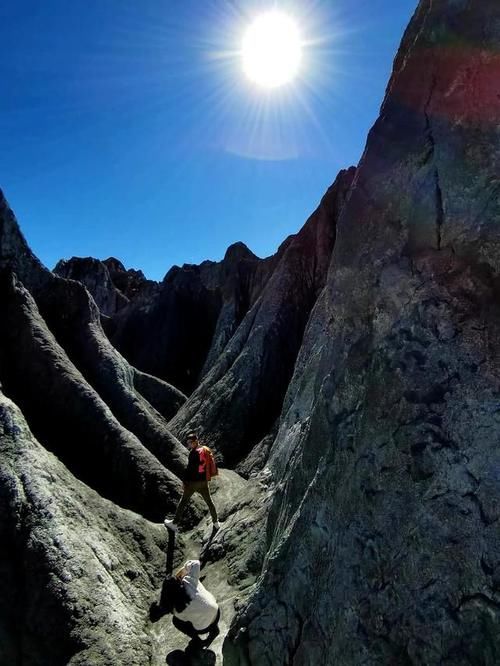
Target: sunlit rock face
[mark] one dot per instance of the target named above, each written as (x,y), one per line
(383,541)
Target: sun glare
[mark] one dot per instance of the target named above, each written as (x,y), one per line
(271,50)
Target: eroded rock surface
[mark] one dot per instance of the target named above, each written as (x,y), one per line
(76,571)
(112,286)
(80,397)
(383,539)
(360,365)
(240,397)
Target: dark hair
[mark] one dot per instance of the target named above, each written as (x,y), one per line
(191,435)
(174,595)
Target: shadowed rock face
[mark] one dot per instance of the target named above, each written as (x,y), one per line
(240,397)
(383,540)
(112,286)
(80,397)
(179,333)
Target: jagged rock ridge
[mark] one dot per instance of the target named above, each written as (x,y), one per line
(70,393)
(111,285)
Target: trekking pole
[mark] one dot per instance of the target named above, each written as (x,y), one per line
(169,562)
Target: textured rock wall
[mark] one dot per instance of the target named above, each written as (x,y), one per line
(240,397)
(76,572)
(178,332)
(383,535)
(81,398)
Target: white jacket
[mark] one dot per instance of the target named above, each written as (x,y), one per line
(202,609)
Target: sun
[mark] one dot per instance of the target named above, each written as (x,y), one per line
(272,50)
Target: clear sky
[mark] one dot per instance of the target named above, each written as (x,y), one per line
(128,129)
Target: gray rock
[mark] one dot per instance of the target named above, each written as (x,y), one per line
(240,398)
(76,571)
(383,525)
(95,276)
(69,416)
(179,332)
(112,286)
(78,394)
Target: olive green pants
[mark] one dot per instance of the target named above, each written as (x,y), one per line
(191,487)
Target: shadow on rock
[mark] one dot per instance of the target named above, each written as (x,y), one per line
(193,655)
(169,560)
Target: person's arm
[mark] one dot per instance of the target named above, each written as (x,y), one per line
(192,569)
(190,473)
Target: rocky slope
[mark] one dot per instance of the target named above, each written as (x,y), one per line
(383,540)
(76,571)
(80,397)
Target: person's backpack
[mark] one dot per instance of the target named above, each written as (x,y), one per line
(207,460)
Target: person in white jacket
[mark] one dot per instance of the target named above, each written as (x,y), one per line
(195,610)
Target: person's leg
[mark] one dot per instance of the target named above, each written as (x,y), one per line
(186,496)
(204,491)
(186,627)
(213,631)
(155,612)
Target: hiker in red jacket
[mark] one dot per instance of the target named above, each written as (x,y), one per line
(195,481)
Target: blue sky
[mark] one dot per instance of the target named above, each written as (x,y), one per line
(128,129)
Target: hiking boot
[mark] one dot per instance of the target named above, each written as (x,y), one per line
(170,525)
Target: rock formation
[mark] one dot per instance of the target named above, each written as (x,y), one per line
(76,571)
(383,540)
(83,439)
(80,397)
(179,333)
(354,377)
(112,286)
(240,397)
